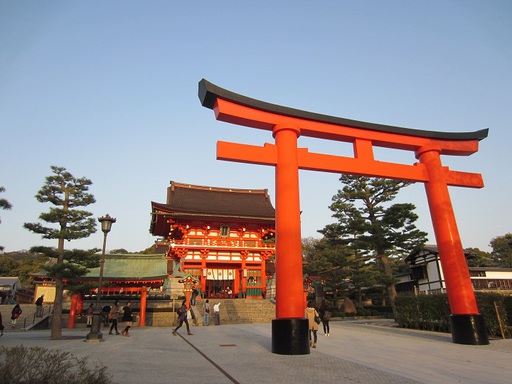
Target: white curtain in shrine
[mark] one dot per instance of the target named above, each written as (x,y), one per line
(221,274)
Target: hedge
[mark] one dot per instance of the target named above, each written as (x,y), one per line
(432,312)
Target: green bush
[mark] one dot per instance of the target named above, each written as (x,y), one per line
(39,365)
(485,302)
(335,313)
(507,303)
(432,312)
(379,310)
(408,312)
(363,312)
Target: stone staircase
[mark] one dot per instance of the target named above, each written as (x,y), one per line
(238,311)
(27,319)
(232,311)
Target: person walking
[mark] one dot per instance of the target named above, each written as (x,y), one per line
(89,314)
(195,293)
(325,315)
(206,312)
(114,315)
(311,314)
(39,306)
(15,314)
(216,313)
(104,314)
(127,318)
(1,325)
(182,316)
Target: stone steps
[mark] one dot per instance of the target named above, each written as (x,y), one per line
(232,311)
(246,311)
(27,318)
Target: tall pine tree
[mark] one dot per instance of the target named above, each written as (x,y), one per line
(502,250)
(67,194)
(372,229)
(4,204)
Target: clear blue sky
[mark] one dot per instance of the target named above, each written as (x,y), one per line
(108,90)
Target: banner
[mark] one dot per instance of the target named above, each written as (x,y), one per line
(221,274)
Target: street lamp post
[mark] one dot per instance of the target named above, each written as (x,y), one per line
(95,334)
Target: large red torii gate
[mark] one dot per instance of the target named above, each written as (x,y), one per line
(289,329)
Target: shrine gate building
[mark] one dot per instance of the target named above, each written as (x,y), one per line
(222,237)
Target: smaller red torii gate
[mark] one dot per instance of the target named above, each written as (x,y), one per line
(289,329)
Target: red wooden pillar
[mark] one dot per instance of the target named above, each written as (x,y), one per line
(460,292)
(236,284)
(263,280)
(204,271)
(143,306)
(288,239)
(243,256)
(188,293)
(80,304)
(204,278)
(289,329)
(72,310)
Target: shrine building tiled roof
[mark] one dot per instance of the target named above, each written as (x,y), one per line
(131,267)
(214,202)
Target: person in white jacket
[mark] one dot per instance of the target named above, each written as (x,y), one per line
(216,313)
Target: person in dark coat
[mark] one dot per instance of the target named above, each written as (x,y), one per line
(182,316)
(104,314)
(127,318)
(195,293)
(206,312)
(325,315)
(15,314)
(39,306)
(1,325)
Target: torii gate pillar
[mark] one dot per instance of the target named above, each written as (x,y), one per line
(290,328)
(467,325)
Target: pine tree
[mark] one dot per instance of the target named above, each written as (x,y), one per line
(66,193)
(369,228)
(478,258)
(502,250)
(4,204)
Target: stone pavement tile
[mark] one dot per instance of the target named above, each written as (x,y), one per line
(353,353)
(244,353)
(428,357)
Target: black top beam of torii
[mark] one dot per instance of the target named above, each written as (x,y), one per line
(208,94)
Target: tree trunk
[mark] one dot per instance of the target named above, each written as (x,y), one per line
(359,297)
(390,288)
(57,309)
(59,290)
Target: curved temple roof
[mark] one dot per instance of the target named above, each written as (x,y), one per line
(208,94)
(187,200)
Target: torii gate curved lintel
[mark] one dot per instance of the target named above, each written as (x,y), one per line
(287,125)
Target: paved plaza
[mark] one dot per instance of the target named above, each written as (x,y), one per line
(355,352)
